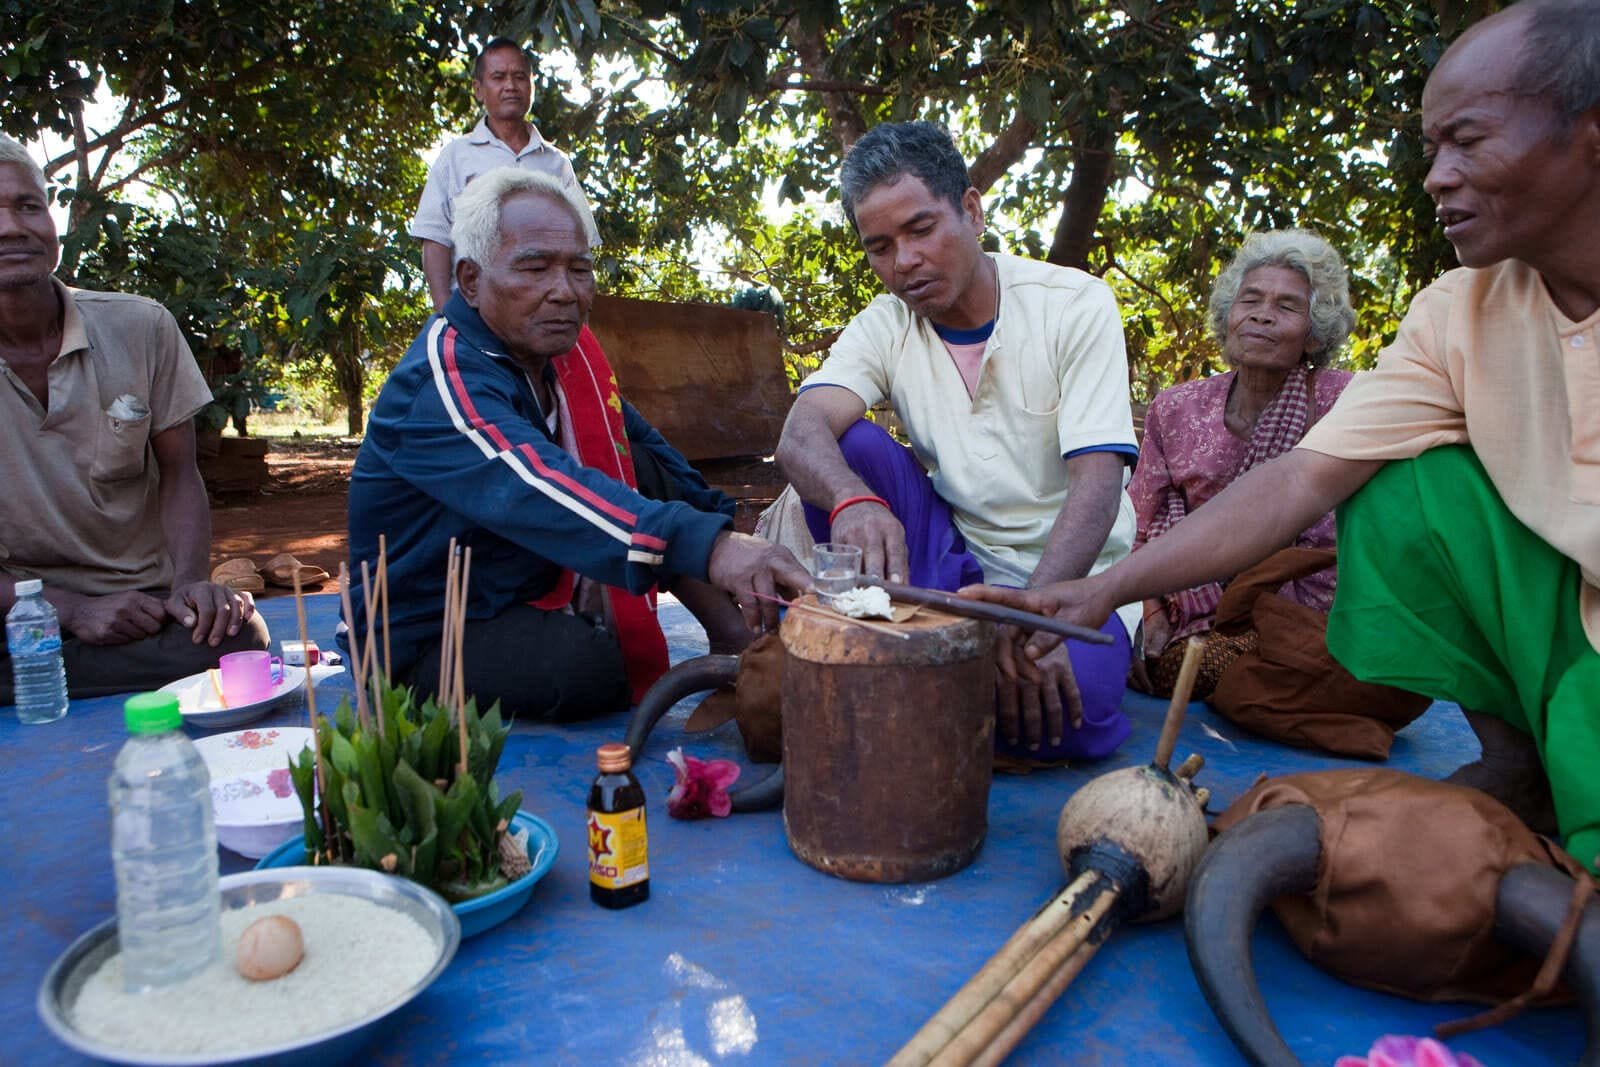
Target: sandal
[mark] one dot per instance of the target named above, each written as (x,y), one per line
(281,569)
(240,575)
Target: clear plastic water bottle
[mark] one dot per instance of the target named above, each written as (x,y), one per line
(33,636)
(164,849)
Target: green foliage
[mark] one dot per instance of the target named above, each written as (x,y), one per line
(396,800)
(1138,140)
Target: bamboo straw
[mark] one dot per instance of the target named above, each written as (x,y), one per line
(983,987)
(1002,1014)
(460,651)
(829,613)
(1180,701)
(357,667)
(1191,766)
(311,702)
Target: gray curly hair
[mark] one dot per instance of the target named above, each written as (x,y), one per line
(13,153)
(1332,317)
(476,230)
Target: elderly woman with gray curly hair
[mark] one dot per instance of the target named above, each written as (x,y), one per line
(1282,311)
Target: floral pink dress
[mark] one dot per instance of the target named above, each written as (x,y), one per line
(1188,452)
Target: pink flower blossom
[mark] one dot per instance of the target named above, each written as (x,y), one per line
(702,786)
(280,783)
(1395,1050)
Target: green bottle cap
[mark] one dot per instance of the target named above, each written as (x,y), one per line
(151,713)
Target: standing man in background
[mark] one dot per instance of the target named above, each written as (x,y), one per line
(502,83)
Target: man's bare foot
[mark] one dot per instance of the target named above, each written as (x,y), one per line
(1510,771)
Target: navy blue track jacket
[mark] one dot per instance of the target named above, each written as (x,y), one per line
(443,458)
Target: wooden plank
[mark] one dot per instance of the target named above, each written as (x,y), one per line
(710,378)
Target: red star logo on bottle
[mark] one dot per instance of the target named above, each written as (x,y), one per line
(599,838)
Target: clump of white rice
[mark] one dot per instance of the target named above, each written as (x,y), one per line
(359,956)
(862,602)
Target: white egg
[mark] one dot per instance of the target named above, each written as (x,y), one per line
(269,948)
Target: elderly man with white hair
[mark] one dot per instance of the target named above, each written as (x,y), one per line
(103,502)
(502,429)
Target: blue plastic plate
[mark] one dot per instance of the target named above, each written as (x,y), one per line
(481,913)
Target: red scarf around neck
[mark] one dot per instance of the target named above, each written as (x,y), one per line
(594,411)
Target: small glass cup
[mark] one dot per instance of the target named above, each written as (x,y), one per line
(834,568)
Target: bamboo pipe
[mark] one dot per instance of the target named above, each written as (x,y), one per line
(1180,701)
(1002,1014)
(984,986)
(1047,995)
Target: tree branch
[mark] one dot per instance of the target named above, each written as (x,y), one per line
(825,341)
(1007,148)
(115,137)
(822,85)
(845,119)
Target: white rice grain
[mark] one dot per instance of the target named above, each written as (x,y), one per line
(359,956)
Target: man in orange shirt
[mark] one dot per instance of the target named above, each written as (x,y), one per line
(1467,464)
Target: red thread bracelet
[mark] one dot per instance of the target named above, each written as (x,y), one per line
(847,501)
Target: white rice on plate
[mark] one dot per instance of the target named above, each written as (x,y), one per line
(359,956)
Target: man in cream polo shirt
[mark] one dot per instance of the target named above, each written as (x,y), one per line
(1011,380)
(502,83)
(102,500)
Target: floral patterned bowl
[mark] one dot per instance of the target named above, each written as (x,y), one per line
(252,797)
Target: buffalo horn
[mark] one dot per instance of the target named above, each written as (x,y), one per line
(1530,907)
(1267,855)
(687,678)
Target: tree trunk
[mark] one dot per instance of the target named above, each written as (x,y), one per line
(347,371)
(1092,157)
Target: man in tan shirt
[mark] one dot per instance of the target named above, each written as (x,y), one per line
(102,500)
(1467,463)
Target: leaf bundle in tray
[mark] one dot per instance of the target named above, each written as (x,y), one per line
(405,786)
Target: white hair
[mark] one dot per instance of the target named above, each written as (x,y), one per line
(1332,317)
(13,153)
(476,231)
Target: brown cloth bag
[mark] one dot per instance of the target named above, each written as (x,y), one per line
(1405,894)
(1289,688)
(755,702)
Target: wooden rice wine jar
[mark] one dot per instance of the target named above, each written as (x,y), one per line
(888,744)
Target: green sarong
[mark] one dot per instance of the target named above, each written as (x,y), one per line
(1444,592)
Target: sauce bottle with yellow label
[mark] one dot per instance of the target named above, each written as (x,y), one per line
(619,854)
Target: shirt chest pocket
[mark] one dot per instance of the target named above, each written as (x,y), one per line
(120,446)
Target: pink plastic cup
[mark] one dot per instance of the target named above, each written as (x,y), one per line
(248,677)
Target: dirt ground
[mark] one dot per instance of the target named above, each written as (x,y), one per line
(302,508)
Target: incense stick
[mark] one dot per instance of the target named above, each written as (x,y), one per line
(460,652)
(357,666)
(369,659)
(383,598)
(443,691)
(311,702)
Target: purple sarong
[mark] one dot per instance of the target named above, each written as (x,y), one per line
(938,559)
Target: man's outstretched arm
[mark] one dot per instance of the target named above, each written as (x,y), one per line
(1244,524)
